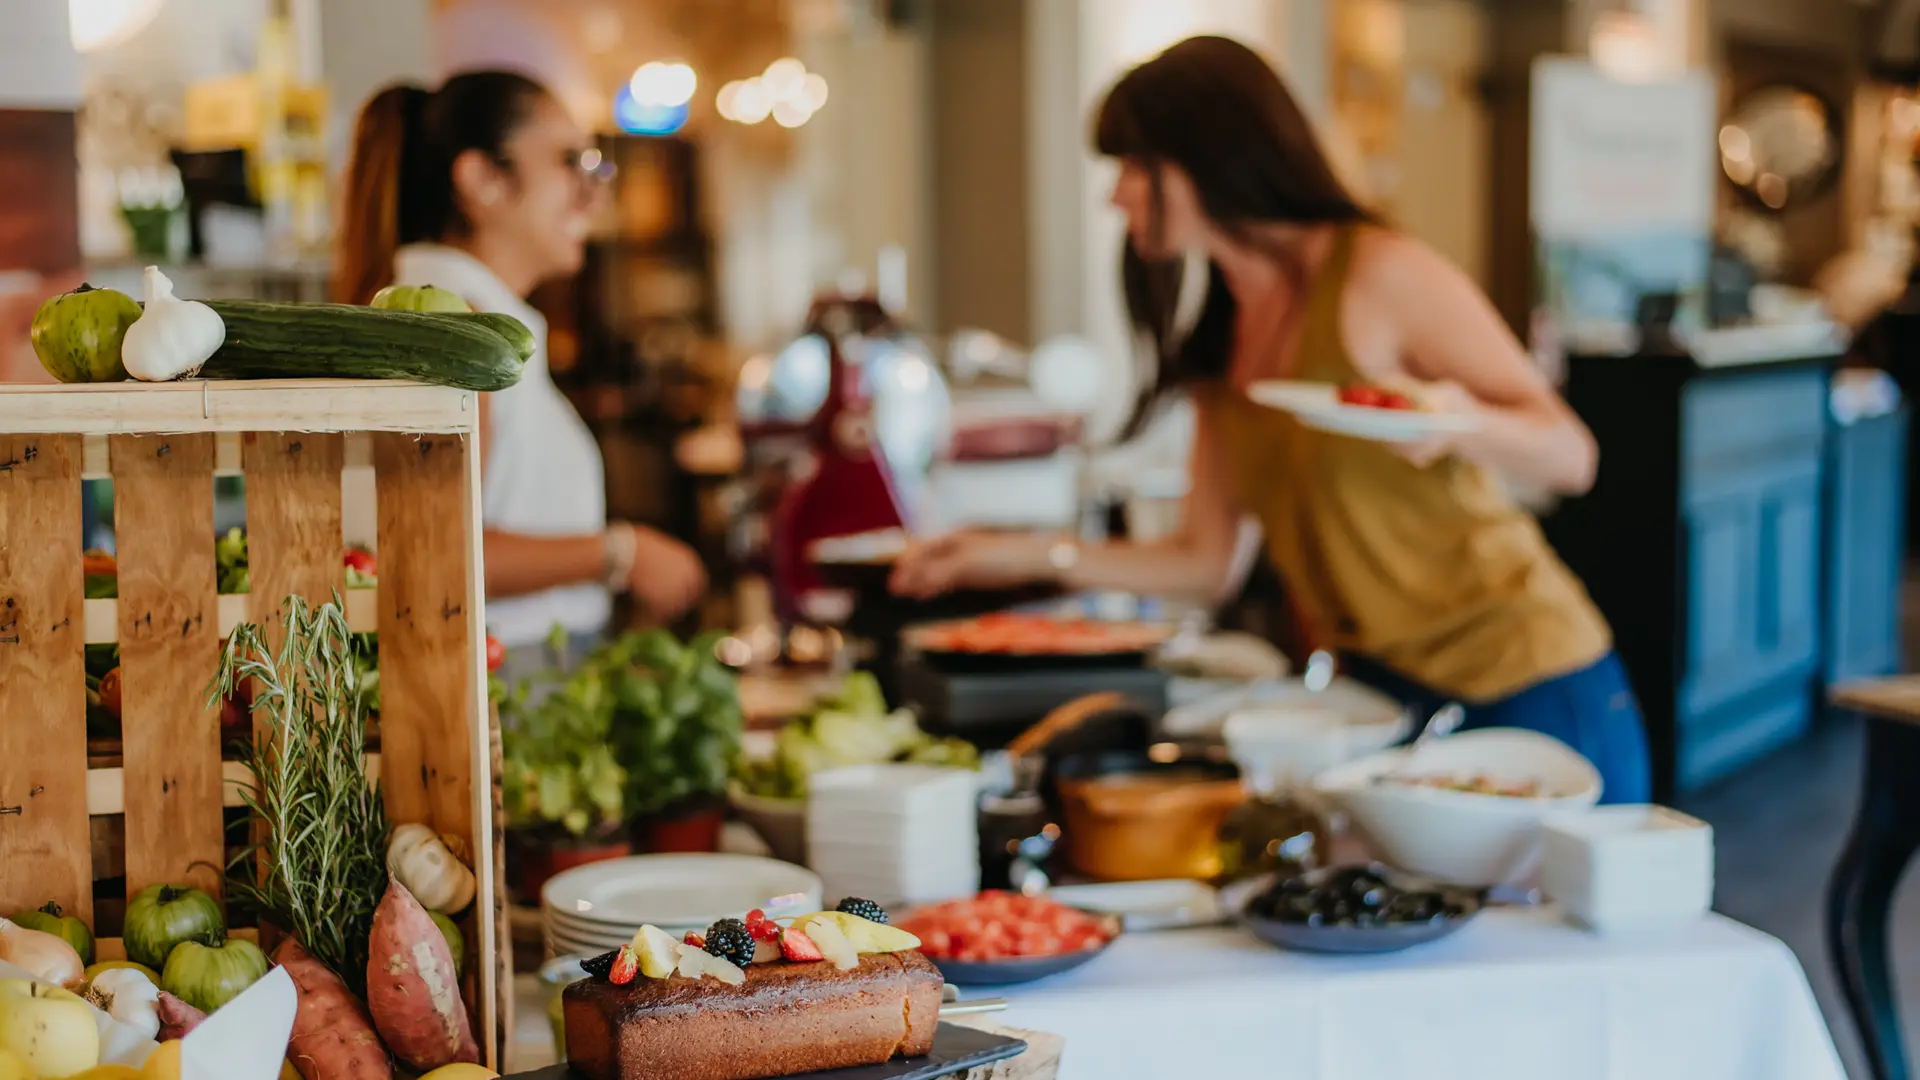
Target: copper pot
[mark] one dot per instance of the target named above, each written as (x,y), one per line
(1131,818)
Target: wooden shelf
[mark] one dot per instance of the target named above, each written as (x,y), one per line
(200,405)
(106,786)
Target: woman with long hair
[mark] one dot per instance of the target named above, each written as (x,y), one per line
(1409,559)
(484,187)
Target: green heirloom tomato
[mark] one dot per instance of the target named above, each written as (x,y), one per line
(72,930)
(77,335)
(212,970)
(418,298)
(162,916)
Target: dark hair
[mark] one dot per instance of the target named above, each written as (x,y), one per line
(1215,109)
(399,186)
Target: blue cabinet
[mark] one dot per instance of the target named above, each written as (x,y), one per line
(1745,549)
(1866,536)
(1750,518)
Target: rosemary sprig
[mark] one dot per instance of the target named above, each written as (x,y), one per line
(320,867)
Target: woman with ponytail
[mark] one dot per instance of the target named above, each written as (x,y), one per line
(483,188)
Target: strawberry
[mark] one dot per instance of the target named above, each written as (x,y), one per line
(626,967)
(696,939)
(762,928)
(798,947)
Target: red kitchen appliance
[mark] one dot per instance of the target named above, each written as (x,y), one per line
(846,480)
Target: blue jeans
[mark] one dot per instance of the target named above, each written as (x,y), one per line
(1592,710)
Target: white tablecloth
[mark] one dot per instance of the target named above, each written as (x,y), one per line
(1515,996)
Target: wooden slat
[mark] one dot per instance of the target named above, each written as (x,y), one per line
(293,521)
(106,785)
(259,405)
(45,847)
(103,616)
(226,454)
(169,648)
(425,639)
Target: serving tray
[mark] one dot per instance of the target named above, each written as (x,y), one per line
(956,1049)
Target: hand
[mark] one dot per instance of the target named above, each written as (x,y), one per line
(667,577)
(971,560)
(1439,397)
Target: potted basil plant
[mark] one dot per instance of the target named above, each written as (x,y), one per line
(564,790)
(676,732)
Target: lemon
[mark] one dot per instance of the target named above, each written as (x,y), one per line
(461,1071)
(163,1063)
(108,1072)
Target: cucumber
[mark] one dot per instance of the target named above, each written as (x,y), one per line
(506,326)
(269,339)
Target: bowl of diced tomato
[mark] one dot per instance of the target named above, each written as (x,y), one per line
(997,937)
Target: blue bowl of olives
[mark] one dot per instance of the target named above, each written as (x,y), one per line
(1356,910)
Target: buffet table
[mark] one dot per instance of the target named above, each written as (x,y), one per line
(1514,996)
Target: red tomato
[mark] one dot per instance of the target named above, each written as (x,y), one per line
(1359,394)
(361,560)
(496,653)
(110,693)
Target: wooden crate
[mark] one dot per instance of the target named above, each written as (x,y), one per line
(162,445)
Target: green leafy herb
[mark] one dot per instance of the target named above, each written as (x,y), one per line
(321,868)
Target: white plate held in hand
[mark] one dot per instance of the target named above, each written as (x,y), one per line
(1318,406)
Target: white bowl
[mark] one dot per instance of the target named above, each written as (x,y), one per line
(1295,741)
(1456,836)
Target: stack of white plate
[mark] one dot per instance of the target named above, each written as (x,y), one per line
(597,907)
(895,833)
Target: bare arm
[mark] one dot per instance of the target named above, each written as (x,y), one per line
(667,576)
(1447,332)
(1193,563)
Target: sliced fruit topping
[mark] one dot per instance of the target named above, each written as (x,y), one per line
(795,945)
(761,927)
(626,967)
(695,939)
(866,935)
(766,952)
(695,963)
(831,941)
(657,950)
(866,909)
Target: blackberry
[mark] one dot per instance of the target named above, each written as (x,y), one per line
(729,940)
(601,967)
(865,909)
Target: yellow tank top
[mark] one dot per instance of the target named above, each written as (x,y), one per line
(1433,572)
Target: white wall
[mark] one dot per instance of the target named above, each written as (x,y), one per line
(38,68)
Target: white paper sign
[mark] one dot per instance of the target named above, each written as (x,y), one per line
(1611,156)
(245,1039)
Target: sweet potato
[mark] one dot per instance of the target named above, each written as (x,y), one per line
(177,1018)
(332,1037)
(411,987)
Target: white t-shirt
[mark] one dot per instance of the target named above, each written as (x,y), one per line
(544,476)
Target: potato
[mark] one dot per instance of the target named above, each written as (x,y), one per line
(332,1037)
(411,986)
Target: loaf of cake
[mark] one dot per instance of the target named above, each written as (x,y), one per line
(786,1018)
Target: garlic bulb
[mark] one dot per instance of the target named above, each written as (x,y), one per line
(427,867)
(172,337)
(44,956)
(129,997)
